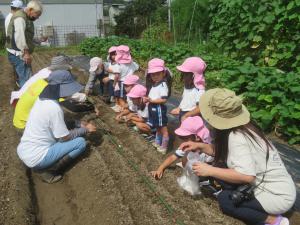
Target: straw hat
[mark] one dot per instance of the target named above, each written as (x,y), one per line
(222,109)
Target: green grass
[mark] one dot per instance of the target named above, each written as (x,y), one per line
(69,50)
(2,52)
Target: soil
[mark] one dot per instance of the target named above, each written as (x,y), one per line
(104,187)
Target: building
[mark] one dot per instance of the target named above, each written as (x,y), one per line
(66,22)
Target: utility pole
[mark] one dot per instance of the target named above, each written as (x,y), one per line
(169,14)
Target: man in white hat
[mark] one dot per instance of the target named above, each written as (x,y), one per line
(19,39)
(15,5)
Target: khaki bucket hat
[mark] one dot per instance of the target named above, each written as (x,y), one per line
(222,109)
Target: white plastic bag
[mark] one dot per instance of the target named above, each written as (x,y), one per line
(190,181)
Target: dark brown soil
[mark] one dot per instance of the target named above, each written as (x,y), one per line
(103,187)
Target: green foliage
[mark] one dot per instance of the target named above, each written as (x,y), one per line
(182,12)
(157,33)
(137,16)
(271,95)
(267,31)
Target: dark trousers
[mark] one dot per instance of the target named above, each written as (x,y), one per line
(111,90)
(250,212)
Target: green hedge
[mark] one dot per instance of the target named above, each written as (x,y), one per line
(267,31)
(272,96)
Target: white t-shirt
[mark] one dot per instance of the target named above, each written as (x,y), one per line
(127,69)
(277,193)
(115,68)
(7,20)
(159,91)
(190,99)
(131,106)
(44,126)
(143,113)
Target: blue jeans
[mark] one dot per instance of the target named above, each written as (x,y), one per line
(23,70)
(73,148)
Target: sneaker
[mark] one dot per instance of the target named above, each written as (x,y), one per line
(161,150)
(116,108)
(179,165)
(280,220)
(112,99)
(50,178)
(155,145)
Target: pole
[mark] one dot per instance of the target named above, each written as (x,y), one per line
(169,14)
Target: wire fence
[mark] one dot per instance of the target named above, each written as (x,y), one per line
(64,35)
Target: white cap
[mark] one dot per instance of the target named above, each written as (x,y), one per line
(17,4)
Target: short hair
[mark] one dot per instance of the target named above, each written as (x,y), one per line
(13,8)
(35,5)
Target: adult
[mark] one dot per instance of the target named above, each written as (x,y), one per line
(57,63)
(47,145)
(19,39)
(243,155)
(32,89)
(15,5)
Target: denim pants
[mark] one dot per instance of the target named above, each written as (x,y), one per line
(23,70)
(250,212)
(73,148)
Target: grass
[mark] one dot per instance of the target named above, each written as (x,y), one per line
(2,52)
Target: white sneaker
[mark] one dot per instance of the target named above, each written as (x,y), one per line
(155,145)
(112,99)
(161,150)
(179,165)
(116,108)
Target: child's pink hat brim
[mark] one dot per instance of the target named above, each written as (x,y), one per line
(131,80)
(138,91)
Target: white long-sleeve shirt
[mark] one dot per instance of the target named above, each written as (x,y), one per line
(20,26)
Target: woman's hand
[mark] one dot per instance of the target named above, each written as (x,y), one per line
(190,146)
(157,174)
(175,111)
(202,169)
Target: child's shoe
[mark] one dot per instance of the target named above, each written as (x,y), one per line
(162,150)
(155,145)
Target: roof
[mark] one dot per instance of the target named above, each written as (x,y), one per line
(6,2)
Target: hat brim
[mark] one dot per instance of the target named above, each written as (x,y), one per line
(69,89)
(60,67)
(155,70)
(183,69)
(182,132)
(133,96)
(217,121)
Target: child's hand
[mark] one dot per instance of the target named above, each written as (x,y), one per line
(90,127)
(175,111)
(157,174)
(146,99)
(190,146)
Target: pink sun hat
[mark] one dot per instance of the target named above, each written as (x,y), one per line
(194,126)
(138,91)
(131,80)
(156,65)
(94,63)
(112,49)
(197,66)
(123,55)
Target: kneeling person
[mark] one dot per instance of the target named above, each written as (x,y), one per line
(47,145)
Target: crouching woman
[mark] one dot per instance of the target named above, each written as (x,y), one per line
(245,162)
(47,146)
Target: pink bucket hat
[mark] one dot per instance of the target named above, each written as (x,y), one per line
(156,65)
(131,79)
(112,49)
(197,66)
(194,126)
(94,63)
(138,91)
(123,55)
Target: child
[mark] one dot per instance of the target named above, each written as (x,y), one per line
(111,68)
(192,74)
(96,72)
(126,67)
(129,82)
(137,94)
(158,82)
(191,129)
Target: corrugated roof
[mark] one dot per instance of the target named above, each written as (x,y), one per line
(5,2)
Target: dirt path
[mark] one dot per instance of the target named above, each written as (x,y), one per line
(102,188)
